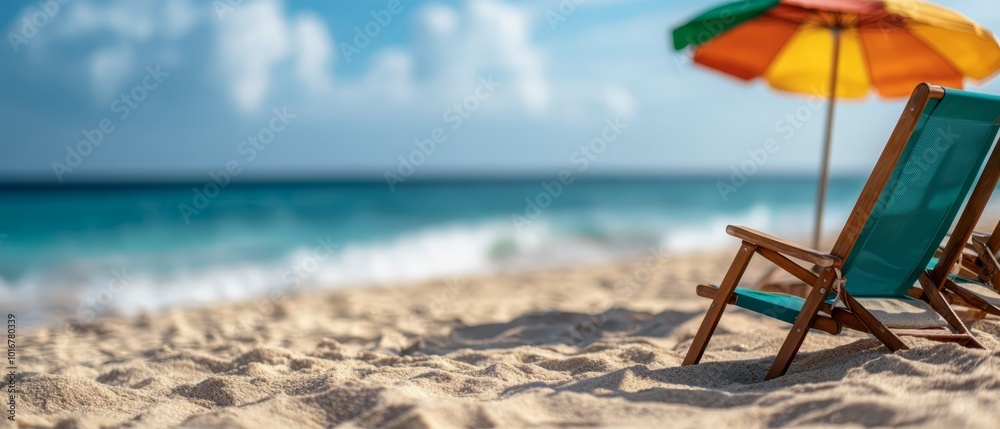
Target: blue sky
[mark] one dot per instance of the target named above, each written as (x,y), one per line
(358,107)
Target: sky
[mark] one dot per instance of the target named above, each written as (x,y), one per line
(181,89)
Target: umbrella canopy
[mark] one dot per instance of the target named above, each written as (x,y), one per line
(841,49)
(886,45)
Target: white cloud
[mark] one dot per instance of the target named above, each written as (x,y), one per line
(260,43)
(252,40)
(439,19)
(83,17)
(179,17)
(507,30)
(314,47)
(484,37)
(257,37)
(619,101)
(139,29)
(109,68)
(390,76)
(134,21)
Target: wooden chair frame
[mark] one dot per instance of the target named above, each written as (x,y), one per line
(854,316)
(983,266)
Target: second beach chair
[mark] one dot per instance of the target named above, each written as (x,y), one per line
(976,282)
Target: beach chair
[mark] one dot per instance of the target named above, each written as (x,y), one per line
(925,173)
(975,282)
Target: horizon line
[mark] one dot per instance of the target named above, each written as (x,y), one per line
(364,180)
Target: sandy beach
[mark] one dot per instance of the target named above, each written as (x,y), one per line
(574,347)
(497,213)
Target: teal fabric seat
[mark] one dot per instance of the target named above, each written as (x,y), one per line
(983,291)
(780,306)
(918,205)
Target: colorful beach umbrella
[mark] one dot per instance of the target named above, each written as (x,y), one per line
(841,48)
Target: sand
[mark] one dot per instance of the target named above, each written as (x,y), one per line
(573,347)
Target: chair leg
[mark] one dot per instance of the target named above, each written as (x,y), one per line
(937,301)
(876,328)
(801,326)
(714,313)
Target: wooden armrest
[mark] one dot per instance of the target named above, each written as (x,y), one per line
(987,258)
(784,247)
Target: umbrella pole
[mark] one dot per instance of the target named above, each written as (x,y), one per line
(766,279)
(824,173)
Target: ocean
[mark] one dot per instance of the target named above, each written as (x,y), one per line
(89,250)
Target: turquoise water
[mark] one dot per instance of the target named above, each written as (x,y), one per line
(97,249)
